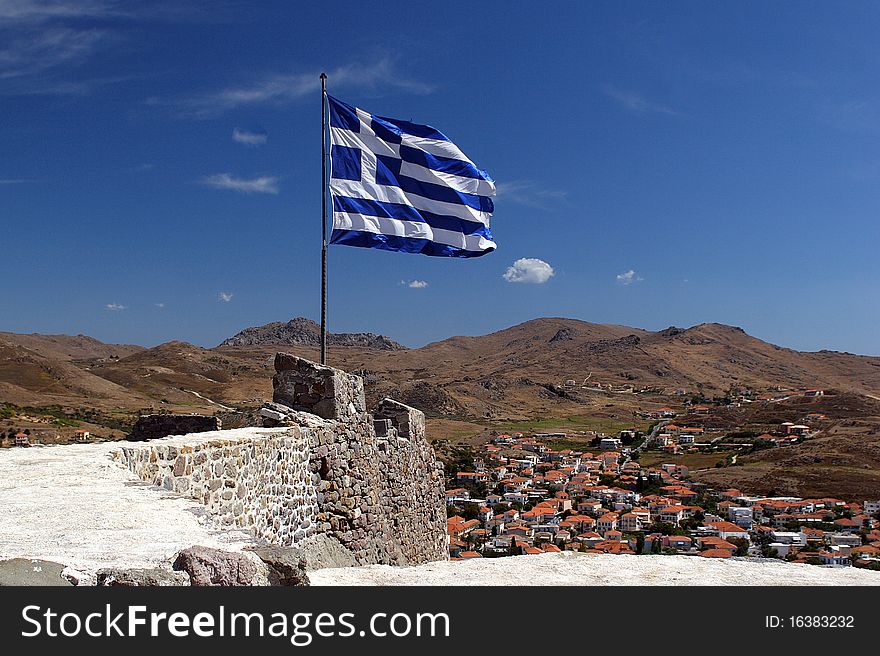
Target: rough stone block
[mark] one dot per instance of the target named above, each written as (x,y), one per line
(327,392)
(287,566)
(408,421)
(141,577)
(214,567)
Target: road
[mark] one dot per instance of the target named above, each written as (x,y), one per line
(656,430)
(660,425)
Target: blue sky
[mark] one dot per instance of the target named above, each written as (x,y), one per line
(673,163)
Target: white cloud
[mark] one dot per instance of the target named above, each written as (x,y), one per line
(116,307)
(628,277)
(414,284)
(249,138)
(35,52)
(264,184)
(39,11)
(225,296)
(43,41)
(529,193)
(159,305)
(636,102)
(283,88)
(529,269)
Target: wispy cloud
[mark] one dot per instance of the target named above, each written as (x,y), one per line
(529,270)
(15,181)
(854,115)
(39,37)
(746,74)
(529,193)
(414,284)
(43,42)
(34,52)
(283,88)
(40,11)
(628,277)
(636,102)
(263,184)
(159,305)
(225,297)
(249,138)
(116,307)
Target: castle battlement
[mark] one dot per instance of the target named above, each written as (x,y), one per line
(319,472)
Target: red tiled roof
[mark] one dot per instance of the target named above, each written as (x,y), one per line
(716,553)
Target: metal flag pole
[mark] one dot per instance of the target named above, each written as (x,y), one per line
(323,219)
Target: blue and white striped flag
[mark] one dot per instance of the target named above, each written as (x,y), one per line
(400,186)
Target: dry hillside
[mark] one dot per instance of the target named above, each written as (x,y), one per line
(516,373)
(513,379)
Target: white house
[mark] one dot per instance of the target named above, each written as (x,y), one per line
(672,514)
(834,558)
(793,538)
(844,539)
(610,443)
(726,530)
(629,523)
(742,516)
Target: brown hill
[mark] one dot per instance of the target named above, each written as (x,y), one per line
(305,332)
(31,378)
(516,373)
(69,347)
(709,357)
(842,461)
(512,379)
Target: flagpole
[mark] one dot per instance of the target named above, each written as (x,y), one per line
(323,219)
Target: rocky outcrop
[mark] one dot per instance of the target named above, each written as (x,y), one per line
(622,343)
(214,567)
(316,552)
(151,427)
(138,578)
(304,332)
(286,566)
(563,335)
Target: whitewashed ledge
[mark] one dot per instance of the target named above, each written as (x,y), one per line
(571,568)
(77,506)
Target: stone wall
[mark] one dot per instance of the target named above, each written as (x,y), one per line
(151,427)
(381,497)
(325,471)
(327,392)
(263,482)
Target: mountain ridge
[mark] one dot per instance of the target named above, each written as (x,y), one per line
(305,332)
(507,373)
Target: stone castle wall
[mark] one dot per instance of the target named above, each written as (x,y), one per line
(371,482)
(262,483)
(151,427)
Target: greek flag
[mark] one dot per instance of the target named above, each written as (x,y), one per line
(400,186)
